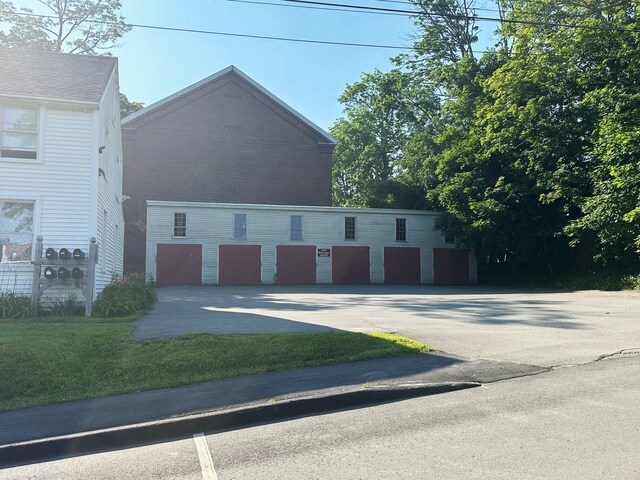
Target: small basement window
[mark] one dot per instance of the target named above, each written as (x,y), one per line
(19,134)
(349,228)
(240,226)
(296,227)
(180,224)
(401,229)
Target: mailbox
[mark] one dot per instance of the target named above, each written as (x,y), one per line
(64,254)
(78,254)
(51,254)
(50,273)
(63,273)
(77,273)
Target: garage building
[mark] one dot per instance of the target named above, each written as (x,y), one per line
(193,243)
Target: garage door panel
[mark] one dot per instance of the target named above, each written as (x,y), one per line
(178,264)
(239,264)
(402,265)
(451,266)
(460,264)
(350,265)
(190,264)
(296,264)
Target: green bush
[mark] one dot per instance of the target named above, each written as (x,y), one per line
(14,305)
(124,296)
(67,307)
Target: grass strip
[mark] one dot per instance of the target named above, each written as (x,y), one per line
(63,359)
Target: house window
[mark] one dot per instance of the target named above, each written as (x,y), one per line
(296,227)
(180,224)
(19,138)
(16,231)
(240,226)
(401,229)
(349,228)
(448,238)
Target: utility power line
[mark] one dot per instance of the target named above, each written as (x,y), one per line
(310,7)
(232,34)
(457,16)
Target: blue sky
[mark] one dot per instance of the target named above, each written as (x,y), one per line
(310,78)
(306,76)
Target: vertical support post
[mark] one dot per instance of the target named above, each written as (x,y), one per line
(37,271)
(91,277)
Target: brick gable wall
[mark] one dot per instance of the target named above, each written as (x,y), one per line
(224,142)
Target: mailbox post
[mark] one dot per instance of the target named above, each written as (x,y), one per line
(65,267)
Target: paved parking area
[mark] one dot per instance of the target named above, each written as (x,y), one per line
(540,328)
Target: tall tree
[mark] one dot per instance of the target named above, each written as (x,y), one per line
(127,107)
(89,27)
(380,111)
(74,26)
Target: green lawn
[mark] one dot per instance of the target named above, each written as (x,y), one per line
(44,361)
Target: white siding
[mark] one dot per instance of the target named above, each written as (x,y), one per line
(111,238)
(59,184)
(65,187)
(212,225)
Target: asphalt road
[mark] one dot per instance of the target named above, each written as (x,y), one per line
(531,327)
(581,422)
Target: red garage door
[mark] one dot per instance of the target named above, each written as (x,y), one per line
(402,265)
(451,266)
(296,264)
(239,264)
(178,264)
(350,265)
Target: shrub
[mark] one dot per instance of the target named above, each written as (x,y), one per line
(67,307)
(124,296)
(14,305)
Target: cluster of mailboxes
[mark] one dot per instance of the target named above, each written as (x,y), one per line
(51,272)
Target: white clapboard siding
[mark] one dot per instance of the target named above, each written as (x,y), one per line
(267,225)
(111,241)
(59,184)
(69,197)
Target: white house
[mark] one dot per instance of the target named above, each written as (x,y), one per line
(230,244)
(60,162)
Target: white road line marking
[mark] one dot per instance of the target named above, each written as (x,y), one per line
(206,463)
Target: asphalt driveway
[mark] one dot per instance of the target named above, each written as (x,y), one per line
(539,328)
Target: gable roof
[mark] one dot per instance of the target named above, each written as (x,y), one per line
(230,70)
(54,76)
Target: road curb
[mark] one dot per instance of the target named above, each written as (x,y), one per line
(182,427)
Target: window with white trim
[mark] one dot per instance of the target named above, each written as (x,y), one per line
(296,227)
(19,136)
(240,226)
(401,229)
(179,224)
(16,231)
(349,228)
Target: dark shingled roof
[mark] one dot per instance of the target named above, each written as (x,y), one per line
(57,76)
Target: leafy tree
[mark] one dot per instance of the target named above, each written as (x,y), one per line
(73,26)
(90,27)
(128,107)
(532,148)
(380,112)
